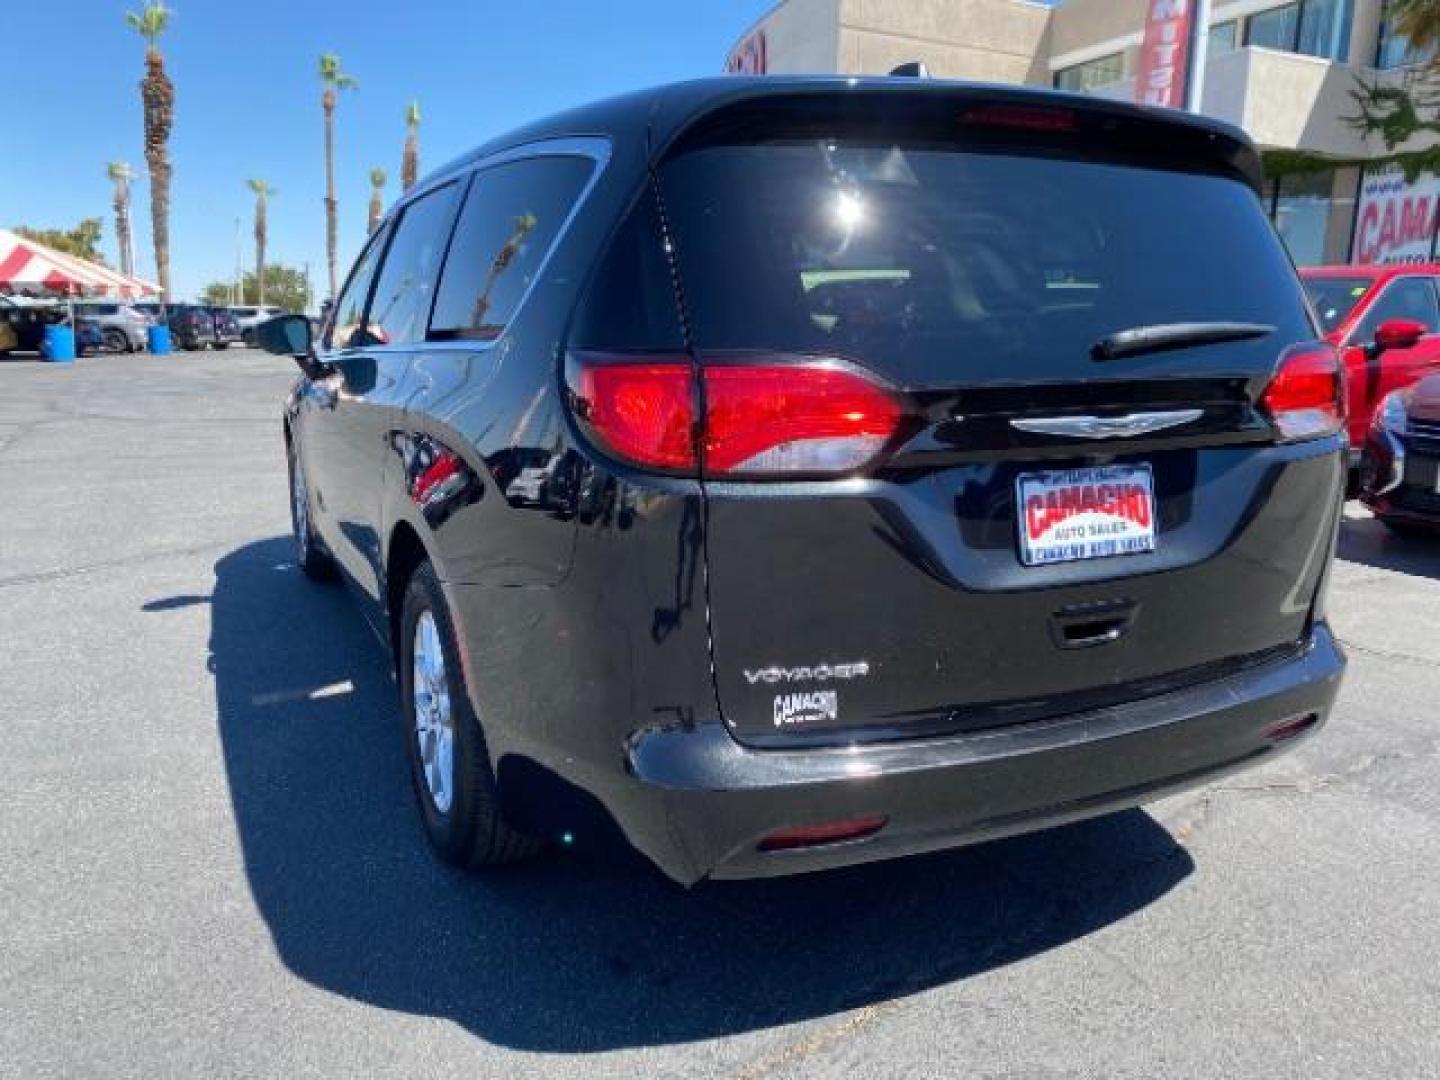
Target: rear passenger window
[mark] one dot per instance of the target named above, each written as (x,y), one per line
(406,285)
(510,221)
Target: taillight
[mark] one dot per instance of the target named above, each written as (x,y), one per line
(793,418)
(643,413)
(1306,398)
(760,418)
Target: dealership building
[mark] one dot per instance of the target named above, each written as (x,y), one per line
(1282,71)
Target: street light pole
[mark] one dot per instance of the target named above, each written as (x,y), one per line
(1199,47)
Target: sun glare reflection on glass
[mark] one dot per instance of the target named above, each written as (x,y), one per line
(849,210)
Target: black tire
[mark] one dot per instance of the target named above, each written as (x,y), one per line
(116,341)
(470,831)
(222,344)
(310,554)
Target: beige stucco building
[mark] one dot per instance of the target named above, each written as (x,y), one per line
(1281,69)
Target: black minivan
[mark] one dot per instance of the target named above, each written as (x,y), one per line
(783,473)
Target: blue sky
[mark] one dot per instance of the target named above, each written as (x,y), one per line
(248,103)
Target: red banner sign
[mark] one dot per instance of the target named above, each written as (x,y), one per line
(1165,54)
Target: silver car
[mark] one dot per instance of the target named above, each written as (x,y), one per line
(122,326)
(250,317)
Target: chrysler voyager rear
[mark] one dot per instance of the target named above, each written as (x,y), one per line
(939,463)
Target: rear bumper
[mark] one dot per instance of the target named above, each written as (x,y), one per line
(698,803)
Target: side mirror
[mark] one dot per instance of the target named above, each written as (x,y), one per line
(292,336)
(1398,334)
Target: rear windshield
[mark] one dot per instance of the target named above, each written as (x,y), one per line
(935,265)
(1335,298)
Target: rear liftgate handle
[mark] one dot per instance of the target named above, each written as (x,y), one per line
(1085,626)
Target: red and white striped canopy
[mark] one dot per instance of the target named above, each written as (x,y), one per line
(26,266)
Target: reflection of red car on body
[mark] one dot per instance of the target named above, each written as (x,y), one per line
(1384,320)
(1400,472)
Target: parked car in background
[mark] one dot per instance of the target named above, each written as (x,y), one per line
(25,321)
(917,475)
(192,326)
(227,328)
(122,327)
(251,317)
(1400,470)
(1384,320)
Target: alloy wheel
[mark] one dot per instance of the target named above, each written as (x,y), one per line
(434,722)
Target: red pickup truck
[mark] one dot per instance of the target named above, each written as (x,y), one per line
(1384,320)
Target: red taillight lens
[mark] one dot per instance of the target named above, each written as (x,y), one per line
(643,413)
(760,419)
(790,418)
(1306,398)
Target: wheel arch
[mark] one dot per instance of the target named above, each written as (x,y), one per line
(403,553)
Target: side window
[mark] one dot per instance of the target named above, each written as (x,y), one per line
(1407,298)
(407,280)
(511,218)
(346,329)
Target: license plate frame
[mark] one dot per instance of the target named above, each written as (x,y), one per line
(1084,514)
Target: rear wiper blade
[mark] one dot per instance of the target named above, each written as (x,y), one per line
(1151,339)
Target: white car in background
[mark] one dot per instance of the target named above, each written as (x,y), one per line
(250,317)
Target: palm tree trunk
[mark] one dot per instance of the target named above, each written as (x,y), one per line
(261,228)
(332,226)
(376,209)
(410,162)
(122,227)
(158,96)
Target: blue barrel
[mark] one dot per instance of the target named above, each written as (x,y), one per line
(59,344)
(157,338)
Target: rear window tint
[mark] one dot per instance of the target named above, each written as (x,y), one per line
(932,265)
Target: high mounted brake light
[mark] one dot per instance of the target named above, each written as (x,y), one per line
(762,418)
(1027,117)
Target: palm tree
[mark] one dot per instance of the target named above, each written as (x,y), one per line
(120,175)
(410,163)
(333,80)
(263,191)
(377,204)
(1418,20)
(157,95)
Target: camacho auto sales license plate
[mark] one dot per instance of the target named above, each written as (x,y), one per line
(1085,513)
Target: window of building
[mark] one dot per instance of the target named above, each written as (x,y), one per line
(1224,37)
(1082,78)
(511,218)
(1312,27)
(407,281)
(1305,215)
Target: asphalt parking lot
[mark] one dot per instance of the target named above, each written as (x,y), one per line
(209,864)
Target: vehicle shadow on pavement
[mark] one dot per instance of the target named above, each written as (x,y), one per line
(580,954)
(1370,543)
